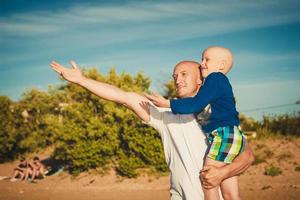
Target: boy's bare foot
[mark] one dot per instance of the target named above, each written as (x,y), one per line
(13,179)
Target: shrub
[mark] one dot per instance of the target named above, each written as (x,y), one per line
(272,171)
(270,126)
(86,131)
(8,137)
(97,133)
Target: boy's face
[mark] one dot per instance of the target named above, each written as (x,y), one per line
(36,161)
(211,62)
(187,80)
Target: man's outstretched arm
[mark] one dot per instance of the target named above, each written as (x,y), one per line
(131,100)
(213,176)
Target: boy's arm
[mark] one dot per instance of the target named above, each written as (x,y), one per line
(208,92)
(187,105)
(30,165)
(133,101)
(212,176)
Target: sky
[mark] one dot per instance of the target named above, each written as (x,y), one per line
(151,37)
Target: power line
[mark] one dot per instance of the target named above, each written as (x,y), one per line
(270,107)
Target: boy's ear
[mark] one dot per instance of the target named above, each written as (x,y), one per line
(223,64)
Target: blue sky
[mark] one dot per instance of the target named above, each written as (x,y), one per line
(152,36)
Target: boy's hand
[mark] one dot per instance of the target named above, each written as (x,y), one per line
(73,75)
(158,100)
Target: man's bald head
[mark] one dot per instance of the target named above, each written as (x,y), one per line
(192,64)
(187,78)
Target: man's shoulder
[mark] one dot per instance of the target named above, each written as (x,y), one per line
(165,115)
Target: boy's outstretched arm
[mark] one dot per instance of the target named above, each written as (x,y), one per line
(213,176)
(131,100)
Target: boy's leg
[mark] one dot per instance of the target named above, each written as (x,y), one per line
(212,194)
(27,172)
(23,174)
(16,173)
(42,171)
(34,174)
(230,188)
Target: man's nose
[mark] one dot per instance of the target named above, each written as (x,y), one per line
(178,80)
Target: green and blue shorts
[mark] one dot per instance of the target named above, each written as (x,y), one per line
(226,143)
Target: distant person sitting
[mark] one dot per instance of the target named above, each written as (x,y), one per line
(20,171)
(35,169)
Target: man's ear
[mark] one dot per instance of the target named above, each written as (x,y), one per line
(199,81)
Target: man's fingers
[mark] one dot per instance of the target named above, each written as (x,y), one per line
(147,95)
(206,176)
(203,177)
(204,169)
(58,70)
(73,64)
(207,187)
(155,94)
(206,184)
(54,63)
(57,65)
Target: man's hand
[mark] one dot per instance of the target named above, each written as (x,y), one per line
(211,176)
(158,100)
(73,75)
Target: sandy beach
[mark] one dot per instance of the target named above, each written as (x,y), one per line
(254,184)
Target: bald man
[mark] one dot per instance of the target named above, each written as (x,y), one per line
(183,141)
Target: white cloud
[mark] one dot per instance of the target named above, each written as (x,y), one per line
(252,57)
(153,20)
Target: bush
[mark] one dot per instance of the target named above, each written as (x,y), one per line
(270,126)
(272,171)
(8,137)
(87,132)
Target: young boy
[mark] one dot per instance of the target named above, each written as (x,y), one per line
(225,138)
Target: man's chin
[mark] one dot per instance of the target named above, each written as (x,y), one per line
(181,94)
(184,94)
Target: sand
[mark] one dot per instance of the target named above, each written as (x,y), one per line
(282,153)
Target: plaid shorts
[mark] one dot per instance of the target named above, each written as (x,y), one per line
(226,143)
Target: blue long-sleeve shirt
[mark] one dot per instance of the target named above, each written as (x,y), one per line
(217,92)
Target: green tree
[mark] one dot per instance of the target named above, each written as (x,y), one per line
(97,133)
(8,137)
